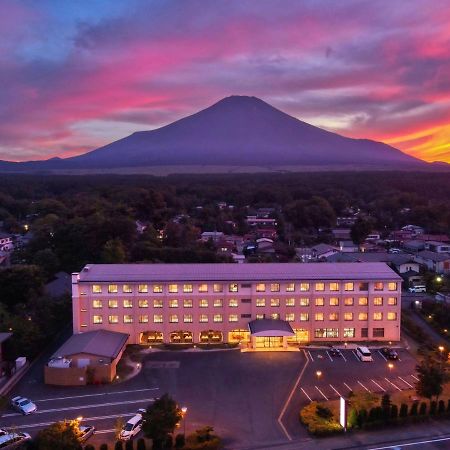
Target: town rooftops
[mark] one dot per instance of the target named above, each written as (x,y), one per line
(433,256)
(99,343)
(234,272)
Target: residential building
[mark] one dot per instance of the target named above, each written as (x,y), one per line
(438,247)
(208,303)
(416,230)
(6,241)
(436,262)
(348,247)
(214,236)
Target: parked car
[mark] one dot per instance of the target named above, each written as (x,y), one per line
(417,289)
(131,428)
(13,440)
(23,405)
(333,351)
(389,353)
(85,432)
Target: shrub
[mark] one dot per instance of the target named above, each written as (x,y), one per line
(168,442)
(423,409)
(118,445)
(129,445)
(448,405)
(394,412)
(414,409)
(441,407)
(317,425)
(433,407)
(141,444)
(103,447)
(362,417)
(403,410)
(179,441)
(324,412)
(89,447)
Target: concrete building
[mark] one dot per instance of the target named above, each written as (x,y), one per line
(208,303)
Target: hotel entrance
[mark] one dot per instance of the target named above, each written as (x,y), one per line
(270,334)
(269,342)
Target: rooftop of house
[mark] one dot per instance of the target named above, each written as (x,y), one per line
(4,337)
(433,256)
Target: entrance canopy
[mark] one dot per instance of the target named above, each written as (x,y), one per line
(270,327)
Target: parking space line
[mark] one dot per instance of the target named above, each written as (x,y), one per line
(415,377)
(112,430)
(309,398)
(324,396)
(348,387)
(359,382)
(329,356)
(404,381)
(396,387)
(381,387)
(309,353)
(342,354)
(335,390)
(356,356)
(381,354)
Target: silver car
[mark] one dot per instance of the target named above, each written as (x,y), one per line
(24,405)
(85,432)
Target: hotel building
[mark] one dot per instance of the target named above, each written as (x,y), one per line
(264,305)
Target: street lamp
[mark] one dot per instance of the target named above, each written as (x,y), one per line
(184,413)
(318,374)
(391,366)
(441,349)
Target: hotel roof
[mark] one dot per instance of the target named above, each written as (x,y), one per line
(236,272)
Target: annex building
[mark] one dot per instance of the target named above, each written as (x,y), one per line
(261,305)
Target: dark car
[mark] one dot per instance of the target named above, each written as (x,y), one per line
(333,351)
(389,353)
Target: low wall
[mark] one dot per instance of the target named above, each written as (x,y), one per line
(70,376)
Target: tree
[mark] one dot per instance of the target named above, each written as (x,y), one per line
(441,407)
(431,379)
(141,444)
(403,410)
(129,445)
(47,260)
(104,447)
(433,407)
(414,409)
(386,407)
(59,436)
(118,445)
(422,409)
(113,252)
(360,230)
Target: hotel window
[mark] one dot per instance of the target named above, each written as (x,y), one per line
(326,332)
(275,287)
(318,316)
(378,332)
(233,303)
(113,319)
(113,289)
(96,289)
(332,332)
(364,332)
(143,303)
(233,287)
(218,303)
(392,286)
(260,287)
(113,303)
(260,316)
(377,316)
(203,287)
(275,316)
(275,302)
(173,303)
(187,288)
(290,302)
(157,303)
(320,301)
(143,288)
(334,287)
(349,286)
(392,301)
(157,288)
(187,303)
(363,301)
(218,318)
(304,302)
(157,318)
(304,287)
(391,316)
(187,318)
(127,289)
(334,301)
(290,287)
(143,318)
(127,303)
(127,318)
(349,332)
(203,303)
(364,286)
(232,318)
(203,318)
(320,333)
(173,288)
(363,316)
(348,301)
(378,301)
(218,287)
(320,286)
(333,316)
(173,318)
(378,286)
(98,319)
(304,317)
(348,316)
(260,302)
(97,304)
(290,317)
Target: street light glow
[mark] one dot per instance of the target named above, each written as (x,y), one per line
(391,366)
(441,348)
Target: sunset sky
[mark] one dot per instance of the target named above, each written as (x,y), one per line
(75,75)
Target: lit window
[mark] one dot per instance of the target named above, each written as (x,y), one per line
(377,316)
(348,301)
(275,287)
(187,318)
(349,332)
(218,303)
(127,318)
(348,316)
(128,303)
(363,301)
(187,288)
(304,287)
(157,318)
(363,316)
(157,288)
(173,318)
(304,317)
(187,303)
(260,302)
(290,287)
(274,302)
(233,303)
(97,304)
(349,286)
(290,302)
(218,318)
(260,316)
(127,288)
(378,301)
(326,332)
(232,318)
(113,289)
(96,289)
(320,301)
(334,287)
(275,316)
(233,287)
(318,316)
(391,316)
(157,303)
(218,287)
(290,317)
(392,301)
(392,286)
(320,286)
(203,318)
(143,288)
(173,303)
(113,303)
(333,316)
(260,287)
(173,288)
(203,303)
(98,319)
(113,319)
(203,287)
(143,318)
(304,302)
(378,286)
(143,303)
(334,301)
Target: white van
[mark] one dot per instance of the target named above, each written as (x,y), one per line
(131,428)
(418,288)
(363,353)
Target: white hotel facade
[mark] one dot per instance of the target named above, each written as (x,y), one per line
(264,305)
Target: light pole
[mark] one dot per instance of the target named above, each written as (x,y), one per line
(184,413)
(318,374)
(391,366)
(441,349)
